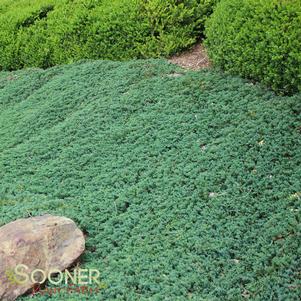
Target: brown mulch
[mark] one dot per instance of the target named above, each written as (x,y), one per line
(194,59)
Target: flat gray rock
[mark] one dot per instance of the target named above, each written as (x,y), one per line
(45,242)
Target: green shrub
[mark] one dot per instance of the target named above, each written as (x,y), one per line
(43,33)
(259,40)
(173,25)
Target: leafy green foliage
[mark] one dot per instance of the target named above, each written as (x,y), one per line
(259,40)
(44,33)
(172,25)
(186,183)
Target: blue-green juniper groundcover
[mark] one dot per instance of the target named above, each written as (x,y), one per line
(186,184)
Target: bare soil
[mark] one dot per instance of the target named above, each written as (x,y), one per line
(194,59)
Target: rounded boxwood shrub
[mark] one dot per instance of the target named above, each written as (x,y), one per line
(259,40)
(43,33)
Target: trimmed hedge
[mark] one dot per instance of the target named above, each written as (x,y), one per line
(259,40)
(43,33)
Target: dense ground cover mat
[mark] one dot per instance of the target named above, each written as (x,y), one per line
(259,40)
(44,33)
(187,184)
